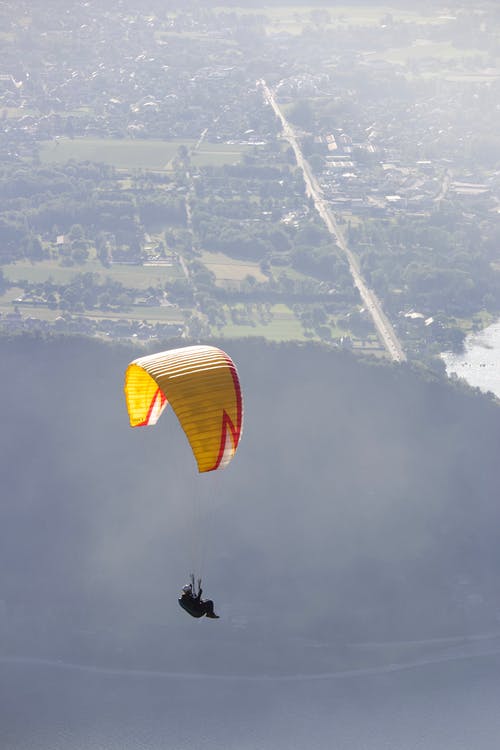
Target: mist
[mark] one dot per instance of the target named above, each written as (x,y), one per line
(335,527)
(353,487)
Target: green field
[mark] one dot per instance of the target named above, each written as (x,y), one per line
(293,18)
(8,304)
(423,49)
(284,326)
(135,277)
(218,154)
(164,36)
(139,313)
(472,77)
(15,112)
(122,153)
(229,270)
(126,153)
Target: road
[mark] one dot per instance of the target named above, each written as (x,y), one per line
(384,328)
(445,186)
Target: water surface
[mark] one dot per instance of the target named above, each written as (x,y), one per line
(446,706)
(479,365)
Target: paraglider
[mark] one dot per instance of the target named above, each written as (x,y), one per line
(194,604)
(202,386)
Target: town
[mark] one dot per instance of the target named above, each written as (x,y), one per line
(148,190)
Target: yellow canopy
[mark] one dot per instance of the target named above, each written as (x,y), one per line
(202,385)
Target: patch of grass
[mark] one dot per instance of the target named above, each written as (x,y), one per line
(8,305)
(352,219)
(129,153)
(136,313)
(149,314)
(193,35)
(289,273)
(472,77)
(15,112)
(283,326)
(424,50)
(275,331)
(8,297)
(135,277)
(293,18)
(218,154)
(229,269)
(122,153)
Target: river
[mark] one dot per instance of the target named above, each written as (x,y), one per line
(479,365)
(445,706)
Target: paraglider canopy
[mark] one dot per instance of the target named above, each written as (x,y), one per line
(202,386)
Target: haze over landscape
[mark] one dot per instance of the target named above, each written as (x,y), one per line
(313,188)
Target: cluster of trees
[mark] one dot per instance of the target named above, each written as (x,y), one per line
(437,263)
(260,213)
(40,203)
(254,211)
(84,292)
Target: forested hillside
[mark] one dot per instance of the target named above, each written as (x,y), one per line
(362,505)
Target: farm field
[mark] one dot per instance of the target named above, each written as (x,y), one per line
(218,154)
(423,49)
(122,153)
(8,306)
(229,270)
(135,277)
(137,313)
(40,313)
(284,326)
(127,153)
(140,313)
(293,18)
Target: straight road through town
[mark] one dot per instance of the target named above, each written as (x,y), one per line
(384,329)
